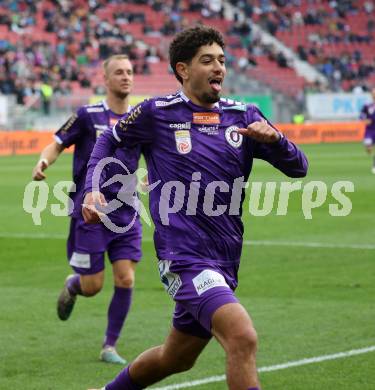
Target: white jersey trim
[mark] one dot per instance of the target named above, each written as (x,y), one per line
(95,109)
(58,139)
(106,106)
(114,132)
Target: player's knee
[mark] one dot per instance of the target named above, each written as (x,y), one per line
(244,341)
(125,280)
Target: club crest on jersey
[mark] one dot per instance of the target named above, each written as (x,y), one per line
(233,137)
(183,141)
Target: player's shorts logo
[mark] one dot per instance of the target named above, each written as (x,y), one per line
(233,137)
(208,279)
(171,281)
(183,141)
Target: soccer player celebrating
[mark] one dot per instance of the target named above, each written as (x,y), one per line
(200,149)
(87,244)
(368,115)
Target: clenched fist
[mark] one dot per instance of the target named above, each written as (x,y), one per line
(261,131)
(39,168)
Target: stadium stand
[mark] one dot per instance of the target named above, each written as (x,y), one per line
(61,42)
(334,36)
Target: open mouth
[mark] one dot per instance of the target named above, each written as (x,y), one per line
(216,84)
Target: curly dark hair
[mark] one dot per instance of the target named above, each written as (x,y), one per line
(186,44)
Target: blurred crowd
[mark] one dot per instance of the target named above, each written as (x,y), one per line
(332,24)
(54,43)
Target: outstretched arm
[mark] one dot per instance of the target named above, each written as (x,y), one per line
(48,156)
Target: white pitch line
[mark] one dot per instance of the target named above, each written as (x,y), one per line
(309,244)
(34,236)
(277,367)
(246,242)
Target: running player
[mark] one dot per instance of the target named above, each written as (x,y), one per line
(200,149)
(87,244)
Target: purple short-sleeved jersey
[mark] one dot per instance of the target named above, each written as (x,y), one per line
(368,113)
(82,130)
(200,149)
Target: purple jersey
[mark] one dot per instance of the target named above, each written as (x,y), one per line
(82,130)
(200,152)
(368,113)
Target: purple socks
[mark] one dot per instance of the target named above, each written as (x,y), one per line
(74,285)
(123,382)
(117,312)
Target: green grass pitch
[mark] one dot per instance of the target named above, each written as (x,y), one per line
(310,290)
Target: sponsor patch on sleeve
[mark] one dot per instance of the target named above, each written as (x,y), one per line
(133,115)
(69,123)
(208,279)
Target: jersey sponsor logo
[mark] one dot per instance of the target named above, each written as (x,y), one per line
(233,137)
(69,123)
(95,109)
(163,103)
(80,260)
(180,126)
(133,115)
(171,281)
(206,118)
(209,130)
(183,141)
(208,279)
